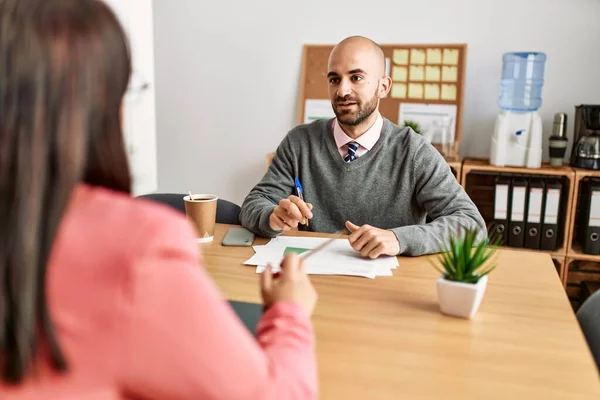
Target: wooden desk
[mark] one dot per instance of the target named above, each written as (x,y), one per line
(386,339)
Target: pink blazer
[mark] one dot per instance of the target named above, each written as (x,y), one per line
(136,313)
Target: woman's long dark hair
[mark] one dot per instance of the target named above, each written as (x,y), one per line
(64,68)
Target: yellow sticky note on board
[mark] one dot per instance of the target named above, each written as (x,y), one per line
(449,74)
(448,92)
(417,56)
(417,73)
(398,90)
(400,57)
(434,56)
(432,91)
(415,91)
(432,74)
(399,74)
(450,57)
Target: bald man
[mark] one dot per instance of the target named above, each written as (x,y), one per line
(360,171)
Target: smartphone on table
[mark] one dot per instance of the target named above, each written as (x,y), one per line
(238,237)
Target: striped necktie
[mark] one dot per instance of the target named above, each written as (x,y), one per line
(351,156)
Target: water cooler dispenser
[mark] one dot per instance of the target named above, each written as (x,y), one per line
(517,137)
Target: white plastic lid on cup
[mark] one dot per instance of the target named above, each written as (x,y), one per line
(200,198)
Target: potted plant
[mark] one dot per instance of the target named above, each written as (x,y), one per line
(464,268)
(414,125)
(427,134)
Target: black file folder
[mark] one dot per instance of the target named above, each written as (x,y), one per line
(533,224)
(551,213)
(591,227)
(500,224)
(518,209)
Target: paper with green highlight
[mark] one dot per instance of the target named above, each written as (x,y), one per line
(336,258)
(297,250)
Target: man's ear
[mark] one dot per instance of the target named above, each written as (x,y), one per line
(385,85)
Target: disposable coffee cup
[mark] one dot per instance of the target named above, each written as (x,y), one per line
(201,210)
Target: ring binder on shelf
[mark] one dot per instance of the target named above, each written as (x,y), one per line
(533,225)
(518,203)
(551,212)
(500,224)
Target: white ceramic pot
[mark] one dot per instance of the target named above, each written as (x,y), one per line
(460,299)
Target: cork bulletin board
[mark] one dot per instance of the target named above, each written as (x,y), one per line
(427,87)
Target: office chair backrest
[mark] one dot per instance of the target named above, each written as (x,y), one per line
(589,319)
(227,212)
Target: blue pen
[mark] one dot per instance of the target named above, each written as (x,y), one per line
(300,192)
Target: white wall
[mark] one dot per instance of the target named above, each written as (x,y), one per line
(228,71)
(139,116)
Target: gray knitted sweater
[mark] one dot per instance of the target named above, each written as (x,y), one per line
(395,185)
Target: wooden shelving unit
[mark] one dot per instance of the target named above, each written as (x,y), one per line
(477,164)
(560,263)
(582,271)
(579,272)
(576,253)
(582,277)
(455,163)
(269,159)
(574,248)
(482,195)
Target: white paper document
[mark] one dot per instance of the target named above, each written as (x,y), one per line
(337,258)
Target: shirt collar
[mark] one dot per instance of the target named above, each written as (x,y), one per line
(366,140)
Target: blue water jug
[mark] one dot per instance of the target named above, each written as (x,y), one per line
(522,81)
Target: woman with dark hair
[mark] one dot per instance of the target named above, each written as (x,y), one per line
(101,293)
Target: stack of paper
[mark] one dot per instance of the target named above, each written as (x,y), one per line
(337,258)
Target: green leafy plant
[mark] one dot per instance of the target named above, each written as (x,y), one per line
(414,125)
(464,261)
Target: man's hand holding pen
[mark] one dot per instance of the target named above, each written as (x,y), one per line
(289,213)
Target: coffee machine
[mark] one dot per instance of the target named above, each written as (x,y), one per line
(586,135)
